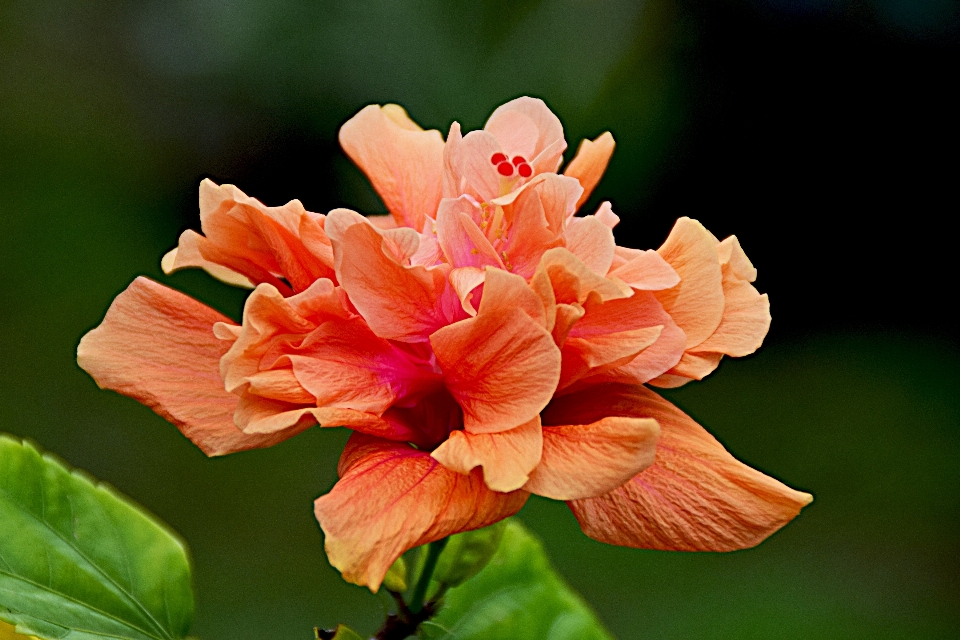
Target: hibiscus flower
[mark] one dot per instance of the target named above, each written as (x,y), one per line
(483,341)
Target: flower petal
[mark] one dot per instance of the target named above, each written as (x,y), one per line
(655,359)
(462,242)
(507,457)
(157,346)
(403,162)
(391,498)
(399,302)
(591,241)
(696,304)
(744,325)
(588,460)
(695,496)
(246,242)
(590,163)
(647,271)
(501,366)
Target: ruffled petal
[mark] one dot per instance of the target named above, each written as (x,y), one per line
(696,304)
(403,162)
(501,366)
(591,161)
(694,497)
(592,241)
(248,243)
(507,457)
(391,498)
(157,346)
(588,460)
(744,325)
(646,271)
(398,301)
(666,350)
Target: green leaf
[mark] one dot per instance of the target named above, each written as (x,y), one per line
(79,561)
(517,595)
(467,553)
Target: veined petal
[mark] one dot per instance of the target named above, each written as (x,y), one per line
(573,281)
(399,302)
(696,304)
(591,161)
(694,497)
(502,367)
(248,243)
(743,326)
(588,460)
(647,271)
(591,241)
(504,291)
(157,346)
(403,162)
(391,498)
(507,457)
(655,359)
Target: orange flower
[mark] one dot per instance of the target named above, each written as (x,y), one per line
(484,343)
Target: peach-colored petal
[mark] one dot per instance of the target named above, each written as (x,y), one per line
(657,358)
(399,302)
(746,313)
(573,281)
(465,281)
(403,162)
(391,498)
(589,460)
(745,321)
(695,496)
(461,240)
(507,457)
(344,365)
(696,304)
(501,366)
(591,241)
(157,346)
(647,271)
(526,126)
(453,183)
(479,176)
(187,255)
(247,243)
(590,163)
(504,291)
(606,215)
(259,415)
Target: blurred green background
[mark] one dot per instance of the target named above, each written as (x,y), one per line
(812,129)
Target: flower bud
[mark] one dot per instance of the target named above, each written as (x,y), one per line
(467,553)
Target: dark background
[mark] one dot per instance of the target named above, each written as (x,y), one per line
(823,133)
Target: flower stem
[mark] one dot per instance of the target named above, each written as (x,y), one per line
(420,592)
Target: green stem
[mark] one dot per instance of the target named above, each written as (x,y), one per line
(420,592)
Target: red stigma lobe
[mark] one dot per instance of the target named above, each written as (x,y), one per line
(525,170)
(505,169)
(498,158)
(519,160)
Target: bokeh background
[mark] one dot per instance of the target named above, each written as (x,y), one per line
(822,132)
